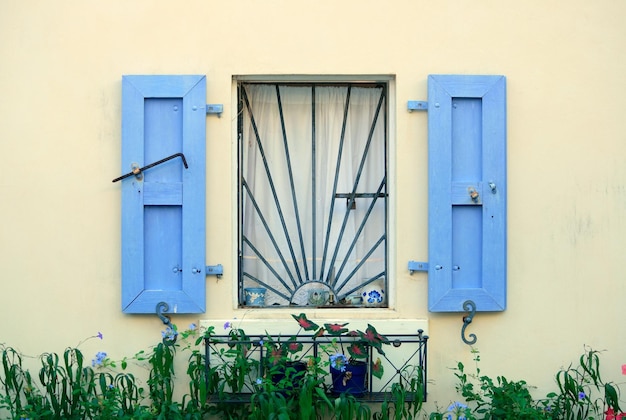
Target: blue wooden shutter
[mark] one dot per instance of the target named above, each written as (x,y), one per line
(163,209)
(467,192)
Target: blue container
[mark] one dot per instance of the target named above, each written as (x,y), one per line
(254,296)
(352,381)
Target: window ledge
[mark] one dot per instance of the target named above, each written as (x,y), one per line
(281,322)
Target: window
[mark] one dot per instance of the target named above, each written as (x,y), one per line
(312,190)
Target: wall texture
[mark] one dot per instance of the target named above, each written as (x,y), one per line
(60,125)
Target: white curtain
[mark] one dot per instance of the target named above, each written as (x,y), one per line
(290,158)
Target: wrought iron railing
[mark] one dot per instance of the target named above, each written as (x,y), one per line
(404,360)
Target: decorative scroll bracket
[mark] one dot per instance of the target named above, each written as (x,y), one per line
(470,306)
(162,307)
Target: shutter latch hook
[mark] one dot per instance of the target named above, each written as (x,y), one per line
(137,171)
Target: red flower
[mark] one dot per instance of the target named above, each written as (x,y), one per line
(610,415)
(304,323)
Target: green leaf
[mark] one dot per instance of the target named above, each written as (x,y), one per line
(357,350)
(305,323)
(377,368)
(336,329)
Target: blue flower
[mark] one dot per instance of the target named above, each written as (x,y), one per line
(192,326)
(459,409)
(457,406)
(581,395)
(259,381)
(99,335)
(169,334)
(228,325)
(97,361)
(338,361)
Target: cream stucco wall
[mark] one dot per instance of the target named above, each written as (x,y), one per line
(61,64)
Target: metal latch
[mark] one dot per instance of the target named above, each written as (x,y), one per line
(137,171)
(417,266)
(417,106)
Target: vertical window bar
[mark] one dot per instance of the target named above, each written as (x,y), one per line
(291,182)
(386,202)
(313,172)
(240,192)
(335,182)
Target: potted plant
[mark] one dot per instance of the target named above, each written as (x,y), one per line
(347,351)
(281,364)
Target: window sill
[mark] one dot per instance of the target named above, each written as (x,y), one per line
(273,321)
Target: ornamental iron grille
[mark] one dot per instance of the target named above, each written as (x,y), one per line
(312,191)
(405,361)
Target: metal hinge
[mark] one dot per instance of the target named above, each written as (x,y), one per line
(417,266)
(215,109)
(214,270)
(417,106)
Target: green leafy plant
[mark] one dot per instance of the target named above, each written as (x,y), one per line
(355,341)
(406,398)
(582,394)
(69,386)
(65,387)
(493,399)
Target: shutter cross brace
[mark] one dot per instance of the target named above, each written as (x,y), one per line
(137,171)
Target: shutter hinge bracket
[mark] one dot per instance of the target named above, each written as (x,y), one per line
(417,106)
(215,109)
(214,270)
(417,266)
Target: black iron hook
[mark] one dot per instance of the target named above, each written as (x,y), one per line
(137,171)
(470,306)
